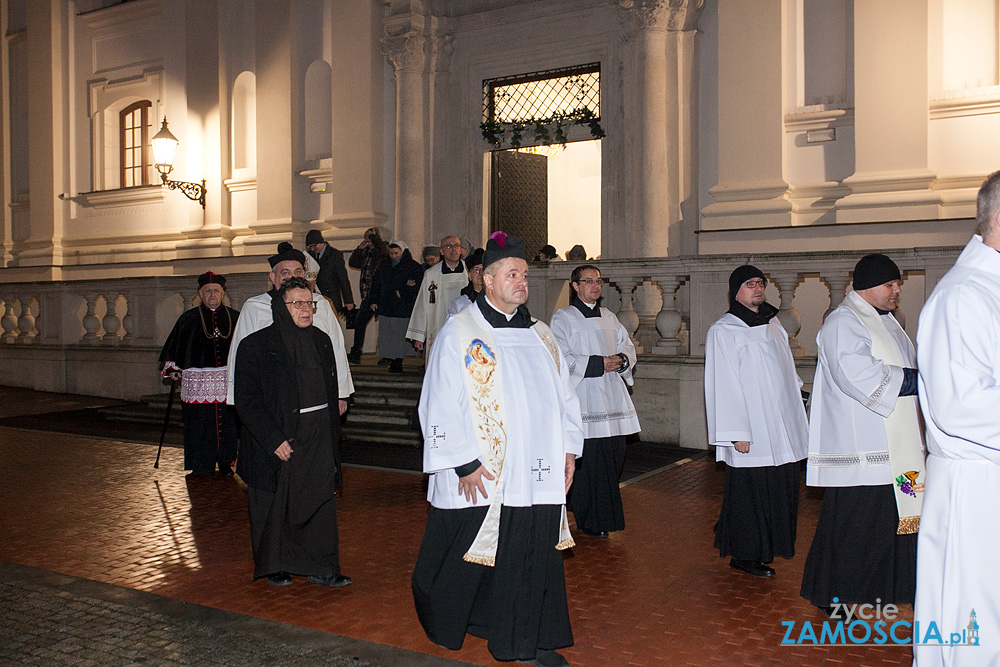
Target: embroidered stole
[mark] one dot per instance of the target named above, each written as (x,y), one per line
(902,428)
(482,373)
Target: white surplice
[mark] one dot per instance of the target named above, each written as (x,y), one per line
(959,343)
(853,392)
(542,426)
(256,315)
(752,393)
(427,318)
(458,304)
(605,405)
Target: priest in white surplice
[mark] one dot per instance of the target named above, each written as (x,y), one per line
(866,448)
(959,353)
(757,423)
(502,431)
(256,315)
(601,357)
(442,283)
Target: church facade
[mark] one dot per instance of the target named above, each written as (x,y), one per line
(796,134)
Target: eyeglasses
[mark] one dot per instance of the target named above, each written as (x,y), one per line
(752,284)
(302,305)
(451,246)
(590,281)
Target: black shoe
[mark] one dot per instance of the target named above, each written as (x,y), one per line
(225,471)
(547,658)
(752,567)
(384,361)
(396,366)
(280,579)
(330,580)
(422,368)
(595,533)
(354,357)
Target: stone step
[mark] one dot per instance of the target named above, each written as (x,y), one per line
(369,435)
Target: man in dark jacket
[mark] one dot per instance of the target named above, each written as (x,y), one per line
(366,258)
(332,280)
(287,397)
(394,291)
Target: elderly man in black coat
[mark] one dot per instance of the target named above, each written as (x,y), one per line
(287,397)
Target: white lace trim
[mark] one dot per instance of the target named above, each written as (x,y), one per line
(875,398)
(203,385)
(853,460)
(615,415)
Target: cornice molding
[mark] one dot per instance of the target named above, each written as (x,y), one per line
(136,196)
(123,13)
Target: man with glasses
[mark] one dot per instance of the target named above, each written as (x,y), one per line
(601,357)
(287,397)
(441,284)
(256,315)
(757,423)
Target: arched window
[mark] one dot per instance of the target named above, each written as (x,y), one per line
(133,144)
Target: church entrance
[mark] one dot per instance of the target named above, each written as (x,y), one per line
(548,195)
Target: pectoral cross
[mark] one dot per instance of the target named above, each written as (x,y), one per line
(434,436)
(432,289)
(541,468)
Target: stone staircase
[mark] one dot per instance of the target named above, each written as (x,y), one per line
(384,410)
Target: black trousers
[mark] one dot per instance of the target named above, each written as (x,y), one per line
(365,314)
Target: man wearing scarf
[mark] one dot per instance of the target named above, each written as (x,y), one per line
(757,423)
(502,432)
(866,447)
(471,292)
(256,315)
(287,397)
(196,352)
(958,346)
(601,357)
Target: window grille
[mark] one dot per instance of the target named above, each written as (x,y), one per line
(544,96)
(133,143)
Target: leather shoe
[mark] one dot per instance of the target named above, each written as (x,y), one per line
(547,658)
(593,533)
(752,567)
(330,580)
(354,357)
(280,579)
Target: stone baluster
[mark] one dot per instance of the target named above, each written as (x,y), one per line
(837,281)
(9,321)
(128,318)
(26,322)
(90,321)
(190,301)
(626,314)
(787,315)
(111,321)
(668,320)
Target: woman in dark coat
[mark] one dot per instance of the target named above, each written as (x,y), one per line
(394,291)
(287,398)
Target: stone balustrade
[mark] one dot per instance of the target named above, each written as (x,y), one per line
(103,337)
(668,304)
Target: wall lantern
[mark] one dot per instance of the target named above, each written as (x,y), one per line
(164,146)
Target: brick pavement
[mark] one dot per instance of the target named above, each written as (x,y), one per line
(653,595)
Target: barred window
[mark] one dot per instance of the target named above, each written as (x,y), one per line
(546,95)
(133,145)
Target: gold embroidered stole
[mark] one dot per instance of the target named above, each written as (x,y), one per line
(902,427)
(482,374)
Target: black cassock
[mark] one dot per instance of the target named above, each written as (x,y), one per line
(198,345)
(281,370)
